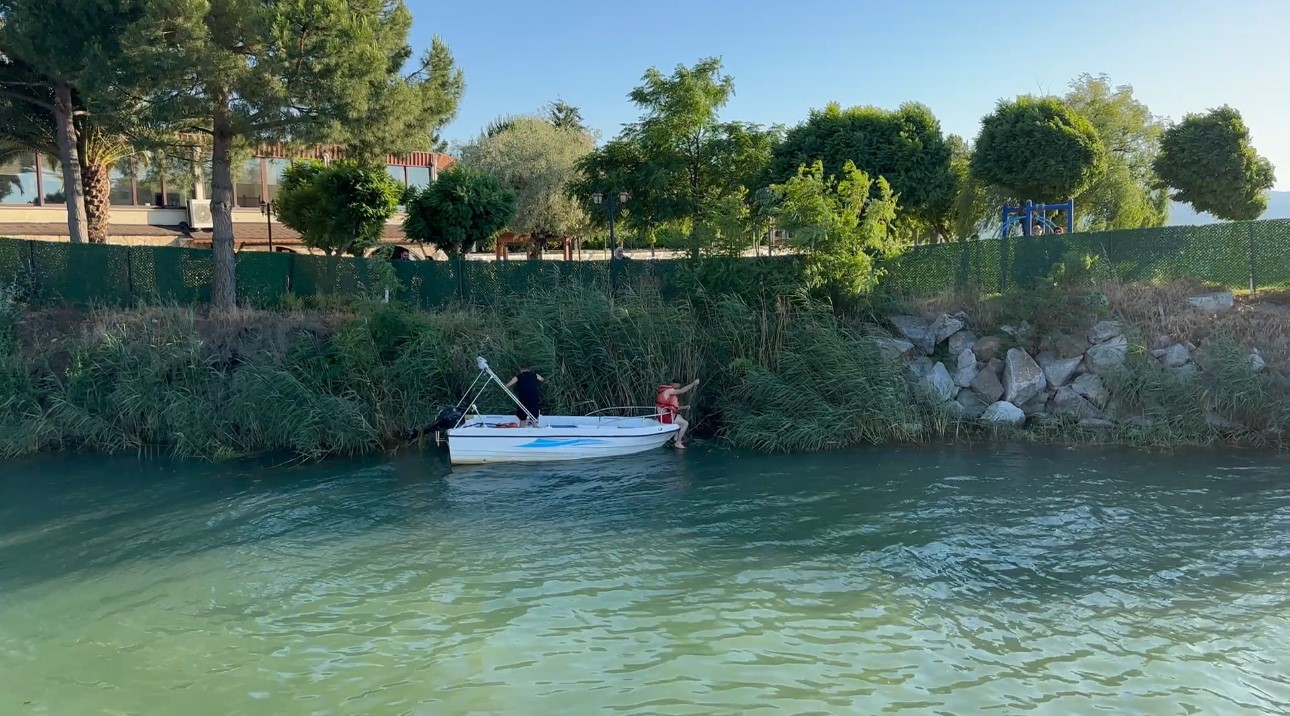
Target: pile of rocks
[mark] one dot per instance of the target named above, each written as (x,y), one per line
(1007,380)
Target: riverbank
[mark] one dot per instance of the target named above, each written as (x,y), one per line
(789,376)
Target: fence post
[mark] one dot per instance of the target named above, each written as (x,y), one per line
(461,278)
(1254,284)
(1003,263)
(291,272)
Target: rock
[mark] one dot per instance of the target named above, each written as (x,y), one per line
(1036,406)
(1214,302)
(945,326)
(961,341)
(1063,345)
(893,348)
(987,386)
(1068,403)
(1003,414)
(1104,331)
(1161,341)
(1257,364)
(1057,371)
(966,369)
(1022,377)
(1220,423)
(920,367)
(939,385)
(988,348)
(1186,373)
(1140,422)
(916,331)
(1175,356)
(1096,424)
(1022,332)
(1090,386)
(995,366)
(1106,357)
(971,404)
(1113,411)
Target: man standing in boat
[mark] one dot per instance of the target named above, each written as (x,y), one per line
(526,384)
(668,403)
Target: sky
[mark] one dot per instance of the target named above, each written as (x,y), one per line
(959,57)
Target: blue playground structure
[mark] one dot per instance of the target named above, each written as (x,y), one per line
(1033,218)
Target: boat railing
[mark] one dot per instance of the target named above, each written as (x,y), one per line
(633,412)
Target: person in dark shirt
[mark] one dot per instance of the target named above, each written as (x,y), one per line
(526,384)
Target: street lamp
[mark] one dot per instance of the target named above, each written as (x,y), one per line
(612,203)
(266,208)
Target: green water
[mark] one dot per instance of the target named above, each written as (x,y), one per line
(950,582)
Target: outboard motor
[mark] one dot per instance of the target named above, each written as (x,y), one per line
(448,418)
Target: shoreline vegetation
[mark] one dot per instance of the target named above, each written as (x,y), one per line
(1117,363)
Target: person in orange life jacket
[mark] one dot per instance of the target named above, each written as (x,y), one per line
(526,384)
(669,407)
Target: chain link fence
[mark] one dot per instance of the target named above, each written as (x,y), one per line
(1243,255)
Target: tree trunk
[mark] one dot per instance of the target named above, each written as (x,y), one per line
(224,286)
(98,202)
(69,155)
(537,242)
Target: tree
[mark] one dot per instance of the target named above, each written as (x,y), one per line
(1208,161)
(1127,195)
(54,53)
(245,71)
(905,146)
(462,209)
(563,115)
(536,159)
(678,160)
(1038,149)
(842,221)
(337,208)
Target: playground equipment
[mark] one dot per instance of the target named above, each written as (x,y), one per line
(1031,216)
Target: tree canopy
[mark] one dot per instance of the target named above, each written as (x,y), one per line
(678,161)
(1038,148)
(305,71)
(537,159)
(905,146)
(464,208)
(842,221)
(337,208)
(1127,195)
(1209,162)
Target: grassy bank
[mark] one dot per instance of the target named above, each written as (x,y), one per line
(787,375)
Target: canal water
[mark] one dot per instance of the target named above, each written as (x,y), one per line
(1012,580)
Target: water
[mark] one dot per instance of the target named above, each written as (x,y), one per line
(883,581)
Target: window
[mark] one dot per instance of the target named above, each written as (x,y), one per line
(419,177)
(273,175)
(51,175)
(398,172)
(246,184)
(18,180)
(121,177)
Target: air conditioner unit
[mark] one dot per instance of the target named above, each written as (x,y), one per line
(199,215)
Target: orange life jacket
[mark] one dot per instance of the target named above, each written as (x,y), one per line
(669,404)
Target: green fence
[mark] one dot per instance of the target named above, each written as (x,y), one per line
(1235,255)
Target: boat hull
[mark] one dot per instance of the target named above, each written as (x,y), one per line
(556,439)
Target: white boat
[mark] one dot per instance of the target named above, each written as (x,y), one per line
(482,439)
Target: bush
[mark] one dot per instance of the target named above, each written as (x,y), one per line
(337,208)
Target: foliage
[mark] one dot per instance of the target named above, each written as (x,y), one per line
(678,160)
(319,71)
(1208,161)
(462,209)
(1127,195)
(563,115)
(337,208)
(904,146)
(842,222)
(1038,148)
(537,160)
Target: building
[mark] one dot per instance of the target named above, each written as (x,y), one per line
(150,205)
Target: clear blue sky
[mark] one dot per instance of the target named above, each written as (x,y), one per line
(957,56)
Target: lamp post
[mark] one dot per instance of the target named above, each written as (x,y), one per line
(266,208)
(611,203)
